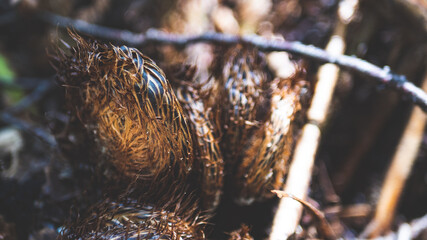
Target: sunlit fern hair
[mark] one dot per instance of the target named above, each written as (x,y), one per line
(267,153)
(241,234)
(131,220)
(128,106)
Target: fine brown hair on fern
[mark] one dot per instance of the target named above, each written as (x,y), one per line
(242,79)
(126,103)
(192,92)
(207,152)
(267,153)
(241,234)
(132,220)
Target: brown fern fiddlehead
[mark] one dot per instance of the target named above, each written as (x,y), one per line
(265,161)
(129,107)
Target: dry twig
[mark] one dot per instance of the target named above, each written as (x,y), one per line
(410,230)
(7,117)
(39,132)
(383,75)
(30,99)
(399,171)
(289,212)
(322,224)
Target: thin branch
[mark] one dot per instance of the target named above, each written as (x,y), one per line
(322,224)
(399,171)
(418,226)
(7,17)
(39,132)
(7,117)
(288,214)
(39,92)
(383,75)
(406,230)
(23,83)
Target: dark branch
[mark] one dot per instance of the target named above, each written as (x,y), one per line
(39,132)
(23,83)
(7,18)
(38,93)
(383,75)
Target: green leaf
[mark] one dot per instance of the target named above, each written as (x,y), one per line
(6,74)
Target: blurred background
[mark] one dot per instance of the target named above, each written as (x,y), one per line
(365,124)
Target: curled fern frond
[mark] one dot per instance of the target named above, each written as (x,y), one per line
(266,158)
(131,220)
(126,103)
(243,80)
